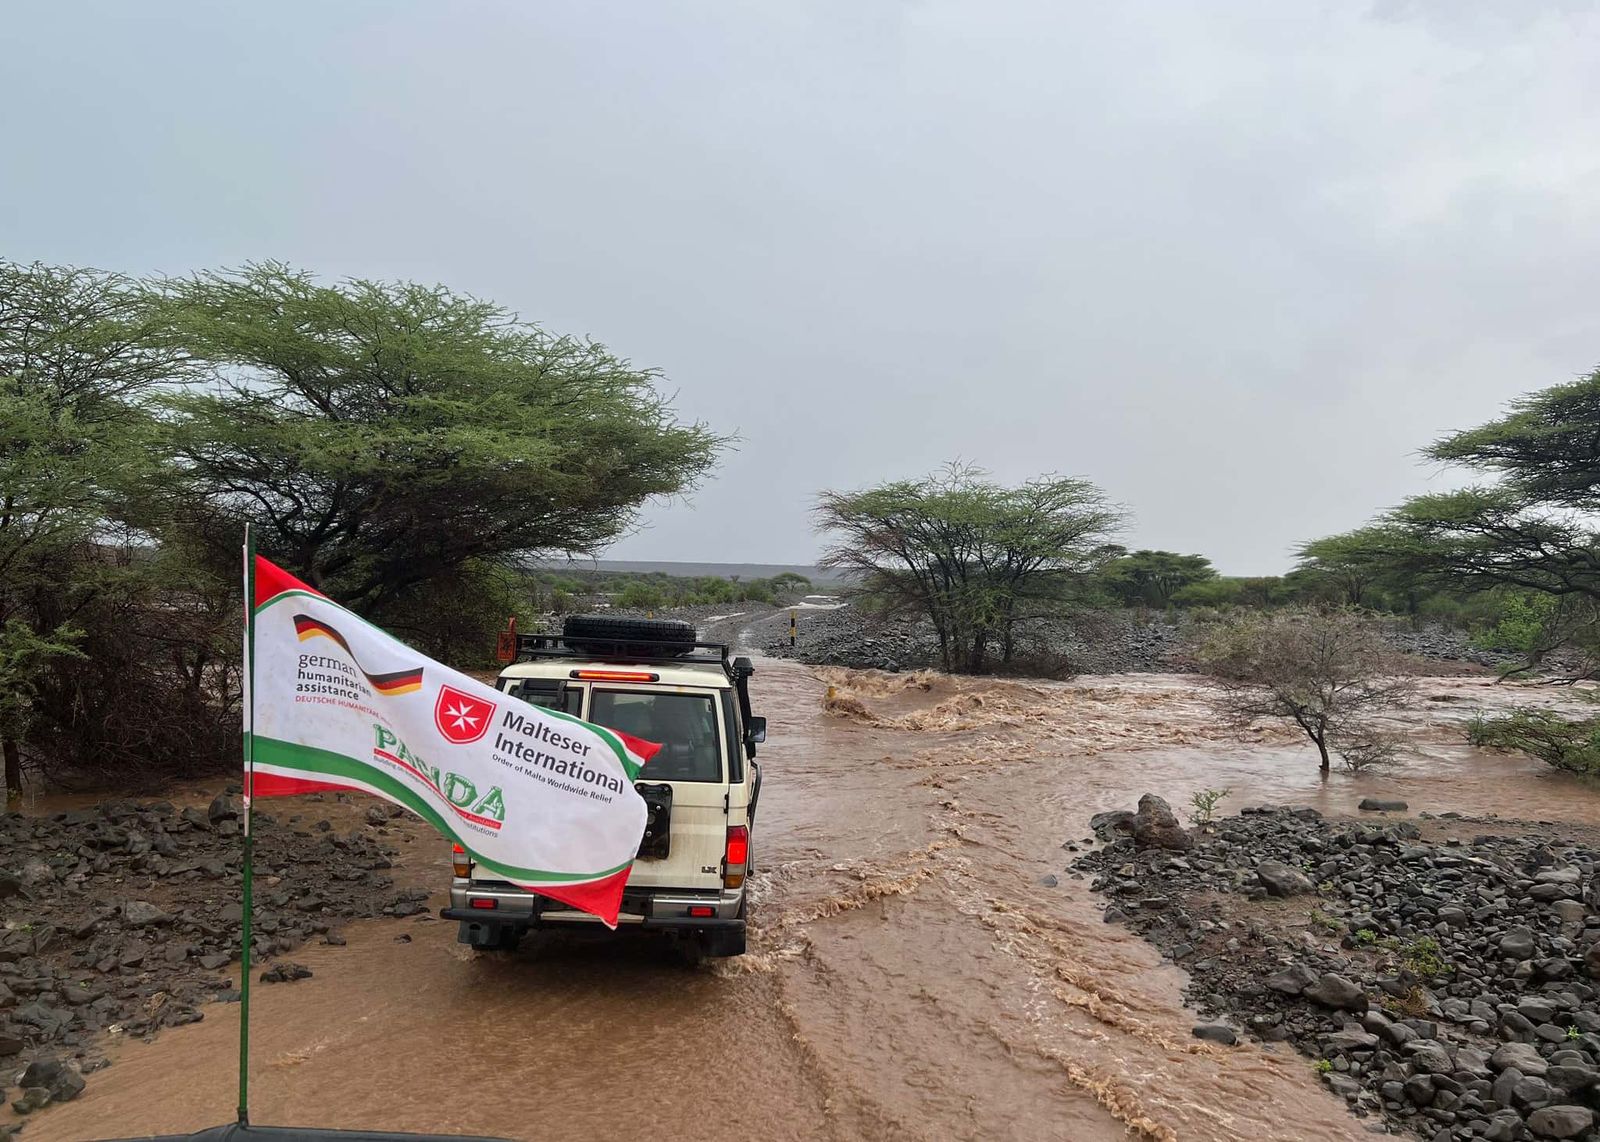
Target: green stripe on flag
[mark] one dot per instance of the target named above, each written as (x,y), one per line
(329,765)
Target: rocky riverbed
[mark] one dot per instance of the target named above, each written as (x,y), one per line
(1089,642)
(123,918)
(1093,642)
(1442,974)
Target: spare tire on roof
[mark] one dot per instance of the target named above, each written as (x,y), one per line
(632,638)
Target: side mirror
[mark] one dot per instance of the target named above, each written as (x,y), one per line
(756,731)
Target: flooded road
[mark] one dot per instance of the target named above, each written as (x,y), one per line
(923,964)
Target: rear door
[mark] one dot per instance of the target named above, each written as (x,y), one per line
(692,763)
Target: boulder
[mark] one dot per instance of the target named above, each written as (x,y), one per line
(1429,1058)
(1517,944)
(1282,879)
(56,1078)
(1155,827)
(1333,990)
(1571,912)
(1591,960)
(1342,1085)
(1532,1092)
(1502,1089)
(1216,1033)
(1352,1038)
(1523,1056)
(33,1098)
(1572,1076)
(1381,805)
(1107,825)
(141,914)
(1560,1121)
(285,973)
(1292,981)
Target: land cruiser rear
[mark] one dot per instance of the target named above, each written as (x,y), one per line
(651,679)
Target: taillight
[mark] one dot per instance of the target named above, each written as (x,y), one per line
(483,903)
(460,863)
(737,856)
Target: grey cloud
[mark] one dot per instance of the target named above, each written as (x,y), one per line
(1235,262)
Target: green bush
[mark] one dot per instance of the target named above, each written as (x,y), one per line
(639,596)
(1524,618)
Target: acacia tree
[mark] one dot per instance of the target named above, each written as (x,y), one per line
(1152,578)
(77,453)
(1533,527)
(1354,563)
(384,437)
(975,557)
(1328,672)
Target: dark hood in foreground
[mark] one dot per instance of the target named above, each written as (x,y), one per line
(233,1132)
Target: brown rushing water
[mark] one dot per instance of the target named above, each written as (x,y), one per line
(911,976)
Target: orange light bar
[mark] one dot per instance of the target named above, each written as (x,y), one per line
(616,675)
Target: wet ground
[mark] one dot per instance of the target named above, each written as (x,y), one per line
(914,972)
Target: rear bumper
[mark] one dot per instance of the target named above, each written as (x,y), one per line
(488,917)
(664,908)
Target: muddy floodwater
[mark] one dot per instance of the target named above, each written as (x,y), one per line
(924,965)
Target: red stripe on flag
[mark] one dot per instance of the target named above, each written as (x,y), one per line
(602,898)
(640,748)
(277,785)
(274,580)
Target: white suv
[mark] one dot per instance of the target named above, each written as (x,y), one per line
(651,679)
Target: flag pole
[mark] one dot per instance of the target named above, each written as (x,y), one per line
(249,842)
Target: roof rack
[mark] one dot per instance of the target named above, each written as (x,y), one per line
(620,650)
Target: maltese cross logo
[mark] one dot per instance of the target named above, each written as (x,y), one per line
(460,717)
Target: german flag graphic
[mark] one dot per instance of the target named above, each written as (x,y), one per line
(395,682)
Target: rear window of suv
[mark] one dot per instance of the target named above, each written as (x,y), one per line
(550,693)
(684,724)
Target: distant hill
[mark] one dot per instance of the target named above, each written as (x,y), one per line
(721,570)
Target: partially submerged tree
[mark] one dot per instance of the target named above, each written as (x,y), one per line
(384,435)
(1328,672)
(975,557)
(1569,744)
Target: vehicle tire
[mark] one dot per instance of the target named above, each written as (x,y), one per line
(635,638)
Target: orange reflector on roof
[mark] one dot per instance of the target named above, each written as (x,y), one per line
(616,675)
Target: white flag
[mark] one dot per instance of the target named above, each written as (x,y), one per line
(536,797)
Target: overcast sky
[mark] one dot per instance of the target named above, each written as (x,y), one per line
(1235,262)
